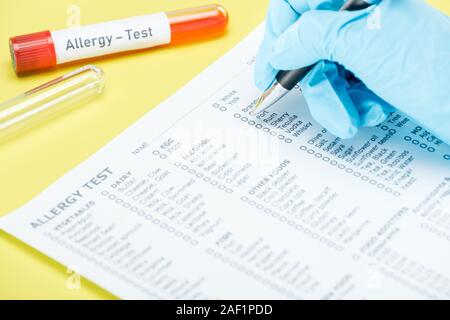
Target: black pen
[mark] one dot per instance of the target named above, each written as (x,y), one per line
(287,80)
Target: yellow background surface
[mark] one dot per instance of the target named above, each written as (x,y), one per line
(135,84)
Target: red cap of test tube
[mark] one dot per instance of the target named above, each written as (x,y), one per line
(32,51)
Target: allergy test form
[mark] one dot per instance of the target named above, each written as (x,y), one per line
(200,200)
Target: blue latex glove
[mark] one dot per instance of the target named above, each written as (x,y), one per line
(400,49)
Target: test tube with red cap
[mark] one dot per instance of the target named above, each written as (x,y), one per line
(46,49)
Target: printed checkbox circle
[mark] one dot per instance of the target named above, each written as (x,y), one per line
(331,244)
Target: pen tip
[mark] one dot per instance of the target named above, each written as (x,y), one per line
(258,103)
(269,98)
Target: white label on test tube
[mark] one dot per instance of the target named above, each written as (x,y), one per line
(111,37)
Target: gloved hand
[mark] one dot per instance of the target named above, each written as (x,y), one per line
(400,49)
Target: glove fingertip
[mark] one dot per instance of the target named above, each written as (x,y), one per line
(345,130)
(372,109)
(348,133)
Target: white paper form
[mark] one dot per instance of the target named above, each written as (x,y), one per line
(200,200)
